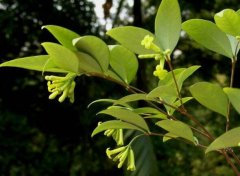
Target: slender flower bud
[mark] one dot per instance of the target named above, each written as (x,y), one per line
(131,161)
(147,42)
(114,151)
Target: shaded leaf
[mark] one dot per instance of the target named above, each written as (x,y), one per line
(114,124)
(127,116)
(229,139)
(123,62)
(96,48)
(168,136)
(178,104)
(63,35)
(168,24)
(177,128)
(62,56)
(131,37)
(209,35)
(234,97)
(210,96)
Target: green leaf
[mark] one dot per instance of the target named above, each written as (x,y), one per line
(132,97)
(63,35)
(131,37)
(145,158)
(38,63)
(209,35)
(228,21)
(229,139)
(163,92)
(123,62)
(114,124)
(210,96)
(96,48)
(168,136)
(149,112)
(113,75)
(177,128)
(178,104)
(63,57)
(102,100)
(168,24)
(87,63)
(234,97)
(234,44)
(127,116)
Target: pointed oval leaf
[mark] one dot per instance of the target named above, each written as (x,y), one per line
(177,128)
(114,124)
(38,63)
(132,97)
(163,91)
(234,97)
(96,48)
(63,35)
(209,35)
(123,62)
(228,21)
(63,57)
(168,24)
(210,96)
(127,116)
(169,136)
(229,139)
(131,37)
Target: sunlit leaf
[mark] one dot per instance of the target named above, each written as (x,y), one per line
(123,62)
(168,24)
(127,116)
(177,128)
(229,139)
(63,35)
(62,56)
(210,96)
(114,124)
(234,97)
(132,97)
(96,48)
(209,35)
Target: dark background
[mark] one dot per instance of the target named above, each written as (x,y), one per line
(39,137)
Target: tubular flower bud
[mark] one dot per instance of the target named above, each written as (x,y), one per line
(117,135)
(160,72)
(62,86)
(122,154)
(147,42)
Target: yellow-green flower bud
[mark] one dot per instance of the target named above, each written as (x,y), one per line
(131,161)
(114,151)
(147,42)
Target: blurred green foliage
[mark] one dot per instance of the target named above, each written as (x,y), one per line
(41,137)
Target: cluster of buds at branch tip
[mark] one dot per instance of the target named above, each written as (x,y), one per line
(117,135)
(63,86)
(122,154)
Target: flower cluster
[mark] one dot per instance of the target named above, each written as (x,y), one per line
(117,135)
(160,72)
(122,154)
(63,86)
(147,42)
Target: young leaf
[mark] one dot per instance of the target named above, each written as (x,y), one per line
(209,35)
(234,44)
(210,96)
(234,97)
(38,63)
(229,139)
(96,48)
(114,124)
(63,35)
(168,24)
(127,116)
(131,37)
(228,21)
(177,128)
(123,62)
(62,56)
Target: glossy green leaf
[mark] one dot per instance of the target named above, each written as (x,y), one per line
(210,96)
(209,35)
(127,116)
(163,91)
(96,48)
(63,57)
(87,63)
(234,44)
(113,75)
(168,24)
(111,101)
(123,62)
(234,97)
(177,128)
(63,35)
(228,21)
(131,37)
(131,98)
(229,139)
(38,63)
(114,124)
(168,136)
